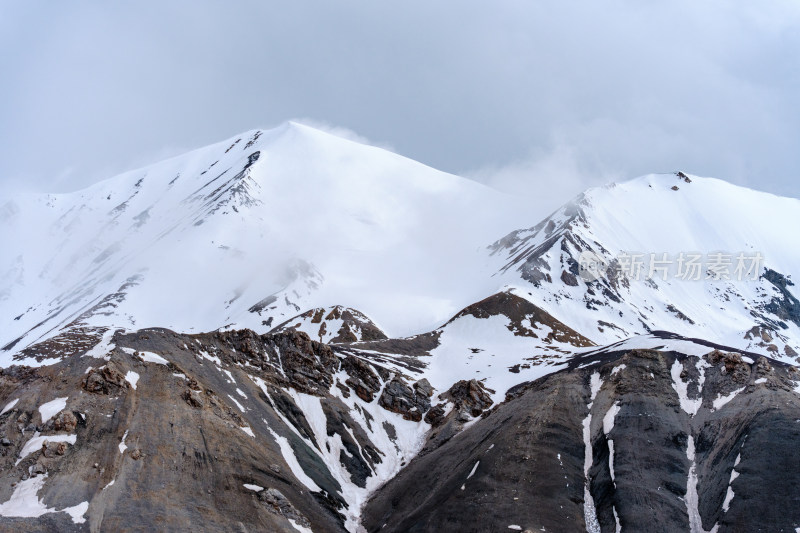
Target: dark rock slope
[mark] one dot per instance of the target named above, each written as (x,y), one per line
(166,431)
(234,431)
(675,443)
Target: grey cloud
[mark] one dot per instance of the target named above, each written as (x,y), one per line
(535,97)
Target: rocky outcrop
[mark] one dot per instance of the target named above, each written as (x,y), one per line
(786,306)
(410,401)
(525,319)
(362,378)
(469,397)
(105,380)
(732,365)
(334,325)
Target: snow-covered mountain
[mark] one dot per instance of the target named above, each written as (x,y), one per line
(290,331)
(247,233)
(676,215)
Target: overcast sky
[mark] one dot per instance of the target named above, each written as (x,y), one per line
(536,97)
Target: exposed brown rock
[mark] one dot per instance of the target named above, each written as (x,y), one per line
(363,379)
(734,366)
(435,415)
(193,398)
(105,380)
(469,397)
(65,421)
(53,449)
(410,402)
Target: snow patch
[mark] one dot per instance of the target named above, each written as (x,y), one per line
(102,350)
(690,406)
(214,359)
(150,357)
(474,468)
(729,495)
(692,500)
(608,420)
(9,406)
(254,488)
(298,527)
(52,408)
(76,512)
(122,445)
(722,400)
(240,406)
(25,502)
(132,378)
(608,425)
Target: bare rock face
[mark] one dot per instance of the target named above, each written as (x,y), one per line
(304,364)
(734,366)
(212,415)
(469,397)
(362,378)
(194,398)
(411,402)
(436,415)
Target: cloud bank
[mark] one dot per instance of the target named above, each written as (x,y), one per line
(534,97)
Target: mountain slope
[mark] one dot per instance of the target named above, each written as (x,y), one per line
(630,440)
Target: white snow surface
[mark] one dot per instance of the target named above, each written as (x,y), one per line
(484,349)
(103,347)
(692,499)
(730,494)
(122,445)
(608,425)
(589,510)
(299,527)
(689,405)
